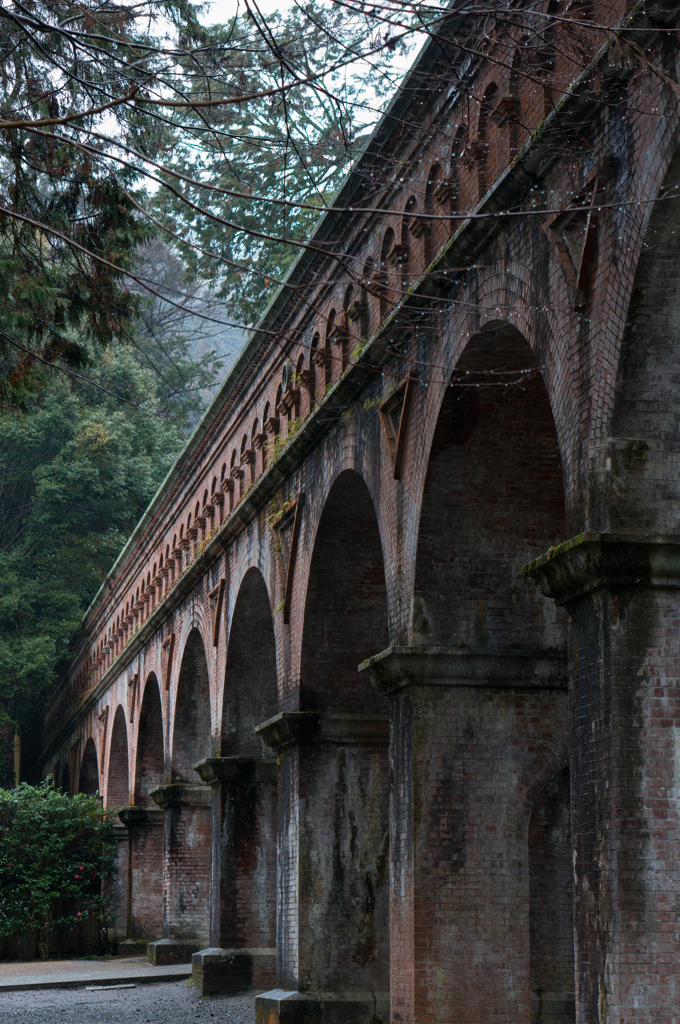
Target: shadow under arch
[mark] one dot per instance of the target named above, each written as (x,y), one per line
(486,691)
(644,491)
(342,773)
(250,680)
(118,783)
(144,821)
(88,780)
(245,805)
(191,734)
(345,618)
(493,499)
(187,820)
(149,760)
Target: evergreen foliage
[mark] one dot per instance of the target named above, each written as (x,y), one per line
(55,853)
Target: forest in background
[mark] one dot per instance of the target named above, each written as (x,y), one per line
(157,176)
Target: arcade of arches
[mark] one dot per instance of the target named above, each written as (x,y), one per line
(388,709)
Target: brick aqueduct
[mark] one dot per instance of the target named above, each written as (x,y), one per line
(366,762)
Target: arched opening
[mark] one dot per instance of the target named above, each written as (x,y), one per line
(493,500)
(345,778)
(88,781)
(551,895)
(118,784)
(250,690)
(191,738)
(149,767)
(187,835)
(145,822)
(346,623)
(248,805)
(66,778)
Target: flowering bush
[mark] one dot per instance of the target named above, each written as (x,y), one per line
(55,852)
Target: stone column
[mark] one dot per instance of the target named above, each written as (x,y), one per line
(117,888)
(242,951)
(144,874)
(186,872)
(471,736)
(621,592)
(332,905)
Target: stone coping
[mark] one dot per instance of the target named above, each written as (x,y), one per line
(593,561)
(398,667)
(178,794)
(214,770)
(302,727)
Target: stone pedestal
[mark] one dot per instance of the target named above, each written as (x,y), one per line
(333,939)
(186,872)
(621,592)
(144,877)
(474,738)
(242,954)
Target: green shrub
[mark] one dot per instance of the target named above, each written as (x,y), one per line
(56,851)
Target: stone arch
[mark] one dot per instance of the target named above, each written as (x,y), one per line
(644,492)
(150,758)
(191,735)
(551,904)
(345,772)
(346,623)
(88,779)
(118,780)
(250,681)
(493,498)
(66,777)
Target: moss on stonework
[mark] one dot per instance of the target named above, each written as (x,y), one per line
(551,554)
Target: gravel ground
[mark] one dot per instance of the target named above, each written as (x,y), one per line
(157,1003)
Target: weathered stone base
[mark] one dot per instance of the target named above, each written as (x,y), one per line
(134,945)
(281,1006)
(228,971)
(172,951)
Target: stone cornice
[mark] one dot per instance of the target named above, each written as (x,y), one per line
(303,727)
(181,794)
(215,770)
(138,816)
(592,561)
(398,667)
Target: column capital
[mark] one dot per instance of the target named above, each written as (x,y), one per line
(399,667)
(140,816)
(302,727)
(214,770)
(181,794)
(591,561)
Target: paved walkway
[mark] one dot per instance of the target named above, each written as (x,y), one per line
(22,975)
